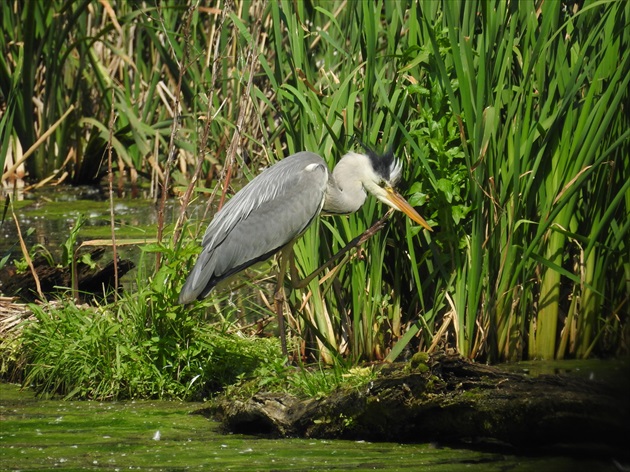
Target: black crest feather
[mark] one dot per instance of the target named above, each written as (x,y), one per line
(382,163)
(385,165)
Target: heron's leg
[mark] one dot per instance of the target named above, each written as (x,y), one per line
(279,298)
(288,257)
(358,241)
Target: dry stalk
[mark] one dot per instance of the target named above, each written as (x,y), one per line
(27,257)
(216,34)
(37,143)
(110,179)
(243,111)
(171,145)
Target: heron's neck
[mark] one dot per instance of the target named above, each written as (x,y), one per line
(345,192)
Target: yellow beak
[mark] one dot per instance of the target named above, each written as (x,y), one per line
(398,202)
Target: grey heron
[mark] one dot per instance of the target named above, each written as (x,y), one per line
(270,212)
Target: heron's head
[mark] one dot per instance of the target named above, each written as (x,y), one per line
(381,174)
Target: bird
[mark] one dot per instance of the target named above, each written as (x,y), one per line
(275,208)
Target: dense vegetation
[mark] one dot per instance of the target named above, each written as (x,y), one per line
(511,119)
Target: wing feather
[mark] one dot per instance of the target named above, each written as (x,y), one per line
(265,215)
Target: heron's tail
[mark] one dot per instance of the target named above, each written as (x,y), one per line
(196,285)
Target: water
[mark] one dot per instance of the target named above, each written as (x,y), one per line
(38,434)
(46,217)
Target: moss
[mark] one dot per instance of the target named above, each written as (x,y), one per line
(434,383)
(419,361)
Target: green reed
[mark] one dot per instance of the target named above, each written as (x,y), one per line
(511,121)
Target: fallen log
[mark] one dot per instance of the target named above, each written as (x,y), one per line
(452,400)
(91,281)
